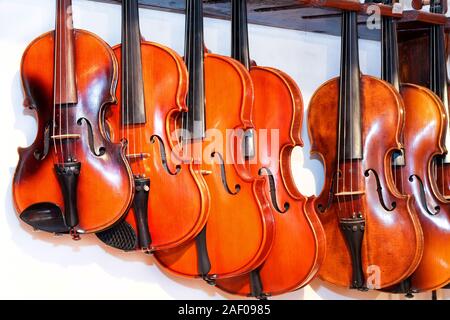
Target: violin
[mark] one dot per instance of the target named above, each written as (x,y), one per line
(240,228)
(170,205)
(427,167)
(355,123)
(299,244)
(72,179)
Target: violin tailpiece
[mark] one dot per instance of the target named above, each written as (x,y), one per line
(353,230)
(256,286)
(204,264)
(140,205)
(68,174)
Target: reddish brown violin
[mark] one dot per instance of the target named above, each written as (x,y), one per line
(373,235)
(426,170)
(239,231)
(71,179)
(299,243)
(170,204)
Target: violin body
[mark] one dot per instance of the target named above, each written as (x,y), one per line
(423,136)
(105,187)
(299,244)
(392,243)
(426,131)
(170,222)
(240,228)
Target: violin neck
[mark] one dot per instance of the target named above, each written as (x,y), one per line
(194,119)
(389,52)
(350,135)
(133,106)
(239,26)
(65,83)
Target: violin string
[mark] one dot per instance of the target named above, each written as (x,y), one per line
(340,111)
(441,50)
(132,93)
(125,81)
(67,28)
(60,85)
(352,115)
(132,65)
(74,144)
(354,64)
(123,106)
(140,138)
(55,37)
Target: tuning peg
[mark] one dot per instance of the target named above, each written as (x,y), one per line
(418,4)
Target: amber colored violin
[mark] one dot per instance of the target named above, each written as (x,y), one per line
(299,243)
(427,164)
(355,121)
(170,204)
(239,231)
(71,179)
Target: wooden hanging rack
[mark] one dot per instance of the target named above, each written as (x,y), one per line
(320,16)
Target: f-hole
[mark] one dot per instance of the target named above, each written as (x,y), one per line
(273,193)
(38,154)
(422,196)
(320,206)
(101,150)
(223,172)
(162,150)
(379,189)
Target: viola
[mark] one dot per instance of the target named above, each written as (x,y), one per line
(72,179)
(355,123)
(239,232)
(170,205)
(299,244)
(427,167)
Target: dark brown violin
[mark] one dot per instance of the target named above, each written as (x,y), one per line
(170,205)
(299,244)
(239,232)
(71,179)
(425,172)
(355,122)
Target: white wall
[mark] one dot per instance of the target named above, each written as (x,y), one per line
(35,265)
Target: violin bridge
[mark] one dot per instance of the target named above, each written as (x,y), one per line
(138,156)
(69,136)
